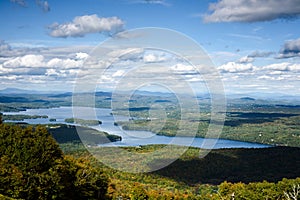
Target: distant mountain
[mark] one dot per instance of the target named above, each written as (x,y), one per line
(150,93)
(202,96)
(14,91)
(62,95)
(247,99)
(105,94)
(22,91)
(261,95)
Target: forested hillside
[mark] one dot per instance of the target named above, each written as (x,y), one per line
(32,166)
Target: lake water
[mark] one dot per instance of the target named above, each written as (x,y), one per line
(129,138)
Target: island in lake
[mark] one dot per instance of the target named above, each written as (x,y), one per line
(84,122)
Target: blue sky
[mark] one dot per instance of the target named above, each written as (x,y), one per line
(255,45)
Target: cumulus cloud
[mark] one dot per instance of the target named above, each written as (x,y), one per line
(52,72)
(294,67)
(272,69)
(63,63)
(285,66)
(277,66)
(182,67)
(39,65)
(25,61)
(81,55)
(60,65)
(290,49)
(234,67)
(33,67)
(246,59)
(154,58)
(252,11)
(86,24)
(4,70)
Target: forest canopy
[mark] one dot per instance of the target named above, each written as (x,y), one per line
(32,166)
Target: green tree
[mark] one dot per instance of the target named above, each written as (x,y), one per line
(32,166)
(5,197)
(139,193)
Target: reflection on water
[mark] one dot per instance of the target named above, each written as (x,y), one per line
(129,138)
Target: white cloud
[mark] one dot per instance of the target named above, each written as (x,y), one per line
(64,63)
(264,77)
(82,25)
(81,55)
(233,67)
(277,66)
(285,66)
(239,77)
(118,73)
(272,78)
(38,61)
(25,61)
(4,70)
(246,59)
(13,78)
(252,10)
(33,67)
(194,79)
(272,69)
(59,65)
(182,67)
(294,67)
(105,78)
(52,72)
(152,58)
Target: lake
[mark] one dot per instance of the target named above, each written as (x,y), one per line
(129,138)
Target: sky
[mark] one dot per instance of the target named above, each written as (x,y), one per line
(254,45)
